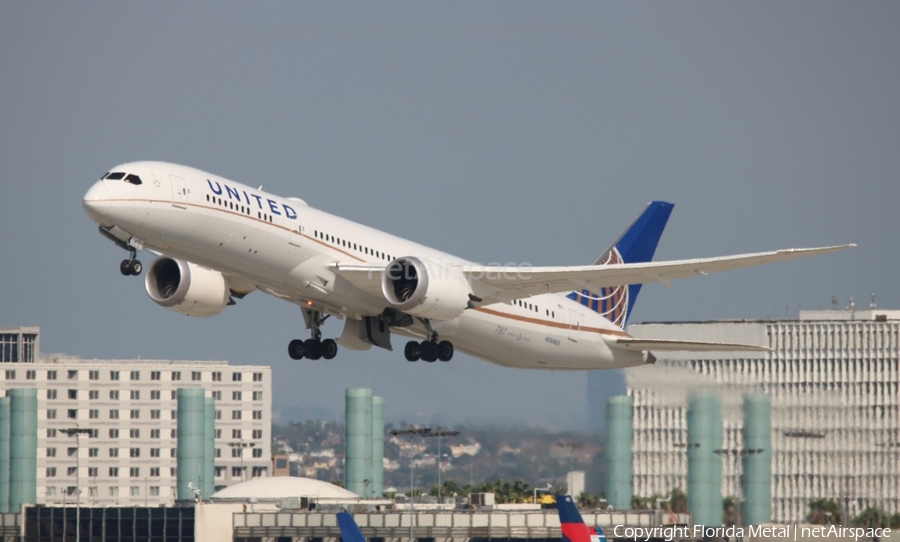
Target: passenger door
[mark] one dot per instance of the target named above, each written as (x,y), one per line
(179,192)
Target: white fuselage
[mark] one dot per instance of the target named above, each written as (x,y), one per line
(280,246)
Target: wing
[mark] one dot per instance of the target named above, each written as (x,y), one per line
(493,283)
(666,345)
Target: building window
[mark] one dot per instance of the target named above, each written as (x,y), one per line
(257,396)
(113,452)
(217,395)
(135,375)
(154,395)
(93,413)
(259,472)
(73,374)
(236,377)
(154,414)
(92,472)
(51,472)
(154,452)
(92,491)
(236,452)
(114,491)
(10,375)
(235,396)
(93,395)
(134,433)
(154,472)
(135,395)
(51,433)
(257,452)
(72,413)
(114,375)
(172,472)
(174,415)
(93,375)
(235,414)
(51,394)
(176,375)
(51,452)
(155,375)
(257,414)
(196,375)
(173,434)
(236,433)
(51,375)
(135,491)
(72,451)
(93,452)
(114,473)
(217,376)
(113,433)
(114,395)
(257,434)
(257,377)
(51,414)
(114,414)
(218,415)
(73,394)
(174,395)
(30,375)
(172,452)
(218,433)
(71,471)
(235,472)
(218,453)
(135,414)
(154,491)
(134,452)
(134,472)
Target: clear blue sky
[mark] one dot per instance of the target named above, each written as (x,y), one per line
(503,131)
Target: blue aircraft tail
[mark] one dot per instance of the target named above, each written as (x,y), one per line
(636,244)
(572,526)
(349,530)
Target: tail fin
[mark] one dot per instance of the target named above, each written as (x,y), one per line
(349,530)
(571,524)
(636,244)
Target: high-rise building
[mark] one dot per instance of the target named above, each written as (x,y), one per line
(130,406)
(833,378)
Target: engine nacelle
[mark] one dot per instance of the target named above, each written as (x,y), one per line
(186,288)
(428,291)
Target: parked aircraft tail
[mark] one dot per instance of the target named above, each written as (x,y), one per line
(636,244)
(349,530)
(571,524)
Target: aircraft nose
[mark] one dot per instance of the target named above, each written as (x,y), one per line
(96,201)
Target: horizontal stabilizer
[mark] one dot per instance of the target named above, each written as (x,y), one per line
(666,345)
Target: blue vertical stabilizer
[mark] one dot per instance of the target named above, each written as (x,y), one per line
(349,530)
(637,244)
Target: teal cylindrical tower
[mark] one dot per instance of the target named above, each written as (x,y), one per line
(358,462)
(4,454)
(377,485)
(22,448)
(704,445)
(756,477)
(190,447)
(209,447)
(618,451)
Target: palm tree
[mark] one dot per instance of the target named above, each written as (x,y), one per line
(824,511)
(586,500)
(872,517)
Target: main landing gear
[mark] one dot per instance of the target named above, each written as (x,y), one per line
(430,349)
(314,347)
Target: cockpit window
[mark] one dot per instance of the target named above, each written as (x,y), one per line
(115,176)
(133,179)
(104,175)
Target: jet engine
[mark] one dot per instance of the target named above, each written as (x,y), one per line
(431,291)
(186,288)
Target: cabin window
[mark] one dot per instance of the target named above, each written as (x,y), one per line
(207,197)
(133,179)
(115,176)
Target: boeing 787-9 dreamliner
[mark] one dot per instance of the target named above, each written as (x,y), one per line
(219,240)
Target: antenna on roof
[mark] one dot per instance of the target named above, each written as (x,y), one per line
(872,304)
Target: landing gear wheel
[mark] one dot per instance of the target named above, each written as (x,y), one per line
(329,349)
(125,267)
(313,349)
(429,351)
(295,349)
(445,350)
(136,267)
(412,351)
